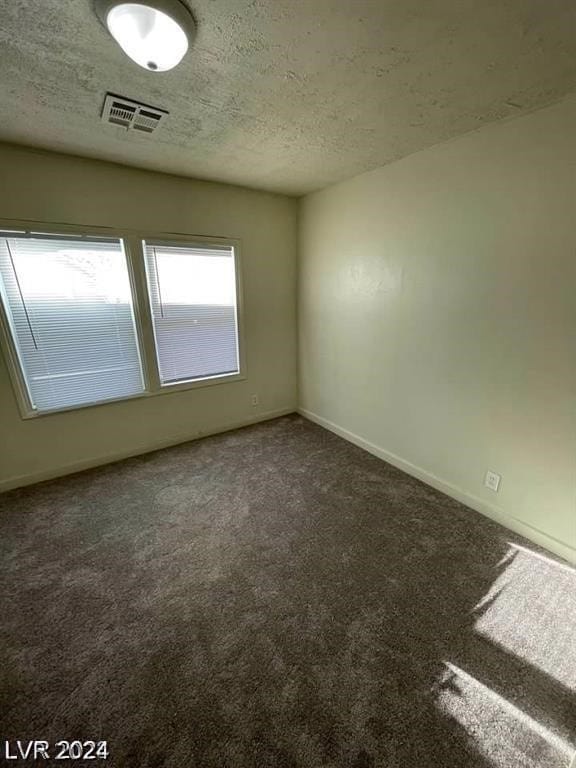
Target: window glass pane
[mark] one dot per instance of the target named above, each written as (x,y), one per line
(69,305)
(193,300)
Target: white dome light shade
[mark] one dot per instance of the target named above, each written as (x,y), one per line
(150,37)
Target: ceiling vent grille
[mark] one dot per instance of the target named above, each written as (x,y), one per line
(132,115)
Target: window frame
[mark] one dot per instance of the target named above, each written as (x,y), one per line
(190,243)
(133,240)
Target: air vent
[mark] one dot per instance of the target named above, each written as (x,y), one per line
(132,115)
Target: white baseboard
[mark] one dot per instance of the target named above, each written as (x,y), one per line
(110,458)
(479,505)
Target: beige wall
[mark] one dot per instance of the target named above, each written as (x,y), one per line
(437,317)
(52,188)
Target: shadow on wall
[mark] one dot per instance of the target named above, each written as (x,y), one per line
(276,597)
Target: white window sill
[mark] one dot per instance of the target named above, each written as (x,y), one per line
(165,389)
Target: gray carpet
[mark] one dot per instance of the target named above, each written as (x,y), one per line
(276,597)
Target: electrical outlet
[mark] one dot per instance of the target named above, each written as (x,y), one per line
(492,481)
(255,400)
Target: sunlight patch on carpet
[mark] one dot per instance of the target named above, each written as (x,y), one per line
(490,719)
(519,613)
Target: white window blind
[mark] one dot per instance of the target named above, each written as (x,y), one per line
(69,307)
(192,291)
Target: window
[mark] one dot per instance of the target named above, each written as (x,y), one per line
(87,320)
(192,292)
(69,309)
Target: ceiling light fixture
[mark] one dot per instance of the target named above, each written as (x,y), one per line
(154,33)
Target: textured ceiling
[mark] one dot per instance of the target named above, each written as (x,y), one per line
(286,95)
